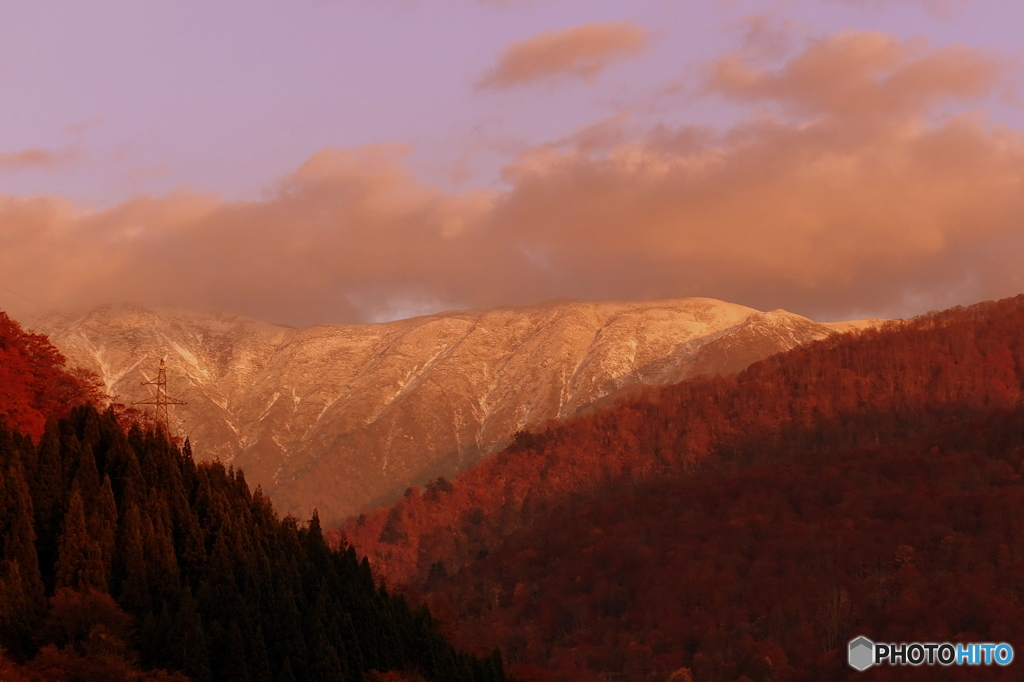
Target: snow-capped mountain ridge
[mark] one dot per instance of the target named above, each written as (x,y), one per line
(335,417)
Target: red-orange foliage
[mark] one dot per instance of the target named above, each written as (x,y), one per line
(722,524)
(784,560)
(34,382)
(392,676)
(11,672)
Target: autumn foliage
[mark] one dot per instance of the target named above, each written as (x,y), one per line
(745,527)
(34,382)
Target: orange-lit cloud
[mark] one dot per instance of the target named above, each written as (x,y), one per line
(861,204)
(940,7)
(858,73)
(345,235)
(582,51)
(26,159)
(79,128)
(816,218)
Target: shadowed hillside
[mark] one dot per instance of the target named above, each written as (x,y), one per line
(749,525)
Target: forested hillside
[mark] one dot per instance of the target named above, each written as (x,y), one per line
(747,525)
(119,554)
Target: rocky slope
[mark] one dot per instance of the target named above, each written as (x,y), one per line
(337,417)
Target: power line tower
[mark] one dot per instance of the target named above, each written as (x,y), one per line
(161,400)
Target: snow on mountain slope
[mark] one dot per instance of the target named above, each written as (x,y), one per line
(337,417)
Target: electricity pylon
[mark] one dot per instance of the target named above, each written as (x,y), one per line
(161,400)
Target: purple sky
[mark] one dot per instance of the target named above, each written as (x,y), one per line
(141,140)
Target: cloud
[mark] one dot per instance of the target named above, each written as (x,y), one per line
(860,73)
(80,128)
(813,218)
(940,7)
(601,135)
(347,234)
(766,36)
(861,200)
(874,204)
(582,51)
(36,158)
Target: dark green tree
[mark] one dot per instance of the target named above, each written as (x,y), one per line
(79,558)
(131,572)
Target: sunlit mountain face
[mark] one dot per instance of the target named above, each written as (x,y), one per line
(337,417)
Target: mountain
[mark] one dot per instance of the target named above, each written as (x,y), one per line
(337,417)
(745,527)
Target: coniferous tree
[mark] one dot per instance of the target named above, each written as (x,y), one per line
(286,671)
(87,477)
(48,497)
(235,668)
(79,557)
(259,667)
(102,525)
(133,590)
(19,613)
(23,602)
(162,565)
(193,655)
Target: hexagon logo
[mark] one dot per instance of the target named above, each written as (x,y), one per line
(862,653)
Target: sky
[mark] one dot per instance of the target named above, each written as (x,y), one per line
(365,160)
